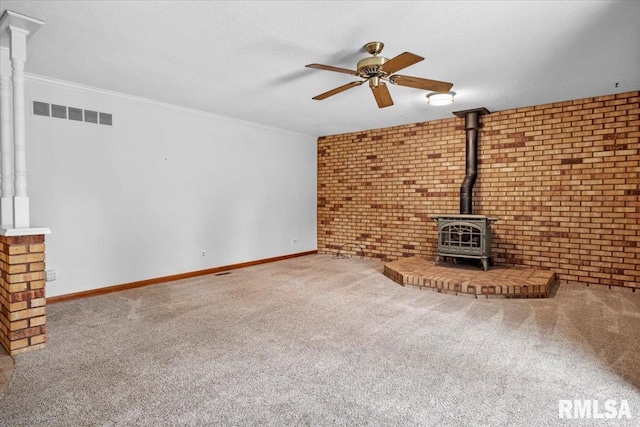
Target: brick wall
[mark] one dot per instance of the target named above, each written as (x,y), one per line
(563,178)
(22,293)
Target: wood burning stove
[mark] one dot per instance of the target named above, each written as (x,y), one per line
(465,236)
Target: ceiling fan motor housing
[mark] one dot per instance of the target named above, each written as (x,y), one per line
(370,67)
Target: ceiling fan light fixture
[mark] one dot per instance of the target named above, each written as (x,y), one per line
(440,99)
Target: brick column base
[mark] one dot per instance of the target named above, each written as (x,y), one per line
(22,293)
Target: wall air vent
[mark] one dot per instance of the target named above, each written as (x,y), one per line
(71,113)
(90,116)
(105,119)
(75,114)
(58,111)
(40,108)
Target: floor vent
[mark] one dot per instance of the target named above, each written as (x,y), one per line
(223,273)
(77,114)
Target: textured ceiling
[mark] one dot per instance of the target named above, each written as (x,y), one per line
(246,59)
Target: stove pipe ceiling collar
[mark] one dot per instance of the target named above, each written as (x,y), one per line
(471,126)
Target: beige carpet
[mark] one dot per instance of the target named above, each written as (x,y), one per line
(322,341)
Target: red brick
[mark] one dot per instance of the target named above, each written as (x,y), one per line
(571,167)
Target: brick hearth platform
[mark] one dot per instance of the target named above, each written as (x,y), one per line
(460,279)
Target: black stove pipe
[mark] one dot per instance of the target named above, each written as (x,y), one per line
(471,126)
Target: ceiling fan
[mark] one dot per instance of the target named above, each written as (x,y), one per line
(377,69)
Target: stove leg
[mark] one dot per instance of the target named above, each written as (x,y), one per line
(437,259)
(485,264)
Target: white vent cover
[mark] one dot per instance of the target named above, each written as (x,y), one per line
(71,113)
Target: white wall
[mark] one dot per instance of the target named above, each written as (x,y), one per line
(142,198)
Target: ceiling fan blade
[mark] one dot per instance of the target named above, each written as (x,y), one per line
(401,61)
(330,68)
(382,95)
(337,90)
(420,83)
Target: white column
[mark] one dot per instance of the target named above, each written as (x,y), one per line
(18,51)
(15,29)
(6,140)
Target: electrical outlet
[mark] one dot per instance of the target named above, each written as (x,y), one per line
(294,241)
(202,254)
(50,275)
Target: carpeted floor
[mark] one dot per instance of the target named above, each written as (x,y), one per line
(322,341)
